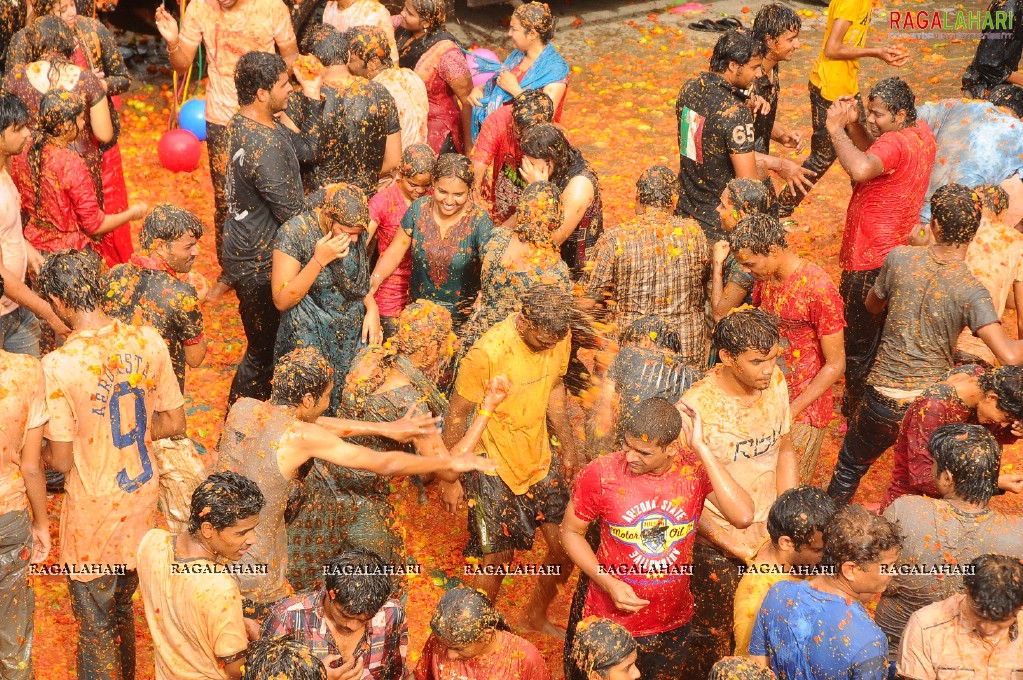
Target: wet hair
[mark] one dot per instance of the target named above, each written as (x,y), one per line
(749,196)
(536,16)
(757,233)
(357,582)
(655,419)
(417,159)
(854,534)
(269,658)
(431,12)
(971,455)
(168,223)
(896,95)
(57,109)
(656,329)
(257,71)
(330,46)
(72,276)
(369,43)
(464,616)
(422,322)
(600,645)
(548,307)
(298,373)
(222,499)
(13,112)
(453,165)
(1007,384)
(993,198)
(746,328)
(739,668)
(45,7)
(346,204)
(530,107)
(1009,96)
(547,142)
(657,187)
(798,513)
(774,20)
(957,210)
(540,213)
(48,37)
(739,45)
(995,586)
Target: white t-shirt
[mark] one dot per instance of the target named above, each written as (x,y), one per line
(12,239)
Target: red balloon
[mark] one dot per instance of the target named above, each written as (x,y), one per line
(179,151)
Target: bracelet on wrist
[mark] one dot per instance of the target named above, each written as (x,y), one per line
(318,262)
(173,48)
(484,413)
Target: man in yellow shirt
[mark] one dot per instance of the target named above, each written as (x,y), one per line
(833,75)
(796,525)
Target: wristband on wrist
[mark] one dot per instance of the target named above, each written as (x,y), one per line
(318,262)
(173,48)
(485,413)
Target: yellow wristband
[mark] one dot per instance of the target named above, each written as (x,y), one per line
(485,413)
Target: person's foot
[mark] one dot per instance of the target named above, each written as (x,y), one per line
(543,626)
(54,481)
(219,290)
(785,210)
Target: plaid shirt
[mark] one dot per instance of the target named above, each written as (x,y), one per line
(655,264)
(384,646)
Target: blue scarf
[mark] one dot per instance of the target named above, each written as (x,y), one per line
(548,68)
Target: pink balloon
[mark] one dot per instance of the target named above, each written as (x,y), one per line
(179,150)
(480,79)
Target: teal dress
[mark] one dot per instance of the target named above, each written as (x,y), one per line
(330,315)
(446,271)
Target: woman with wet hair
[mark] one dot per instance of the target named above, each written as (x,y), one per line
(471,641)
(547,156)
(425,46)
(603,650)
(534,64)
(320,280)
(351,509)
(446,233)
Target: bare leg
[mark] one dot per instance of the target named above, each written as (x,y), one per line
(491,584)
(535,617)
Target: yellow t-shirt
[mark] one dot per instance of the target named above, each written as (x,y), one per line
(838,77)
(194,614)
(516,436)
(749,596)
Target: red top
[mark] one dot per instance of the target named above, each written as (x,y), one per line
(68,213)
(808,306)
(386,209)
(647,528)
(497,146)
(883,211)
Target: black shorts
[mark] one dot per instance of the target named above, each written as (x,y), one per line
(500,520)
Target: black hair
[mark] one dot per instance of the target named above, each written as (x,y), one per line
(13,112)
(257,71)
(330,46)
(957,210)
(1007,384)
(536,16)
(657,187)
(222,499)
(993,197)
(739,45)
(744,329)
(749,196)
(168,223)
(547,142)
(798,513)
(464,616)
(369,43)
(655,419)
(600,645)
(971,455)
(357,582)
(854,534)
(995,586)
(548,307)
(774,20)
(530,107)
(270,658)
(453,165)
(757,233)
(72,276)
(300,372)
(655,328)
(1009,96)
(896,95)
(50,36)
(2,286)
(739,668)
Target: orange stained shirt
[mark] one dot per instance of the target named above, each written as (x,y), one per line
(22,408)
(102,388)
(995,257)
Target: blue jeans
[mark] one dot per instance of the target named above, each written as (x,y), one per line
(106,620)
(19,332)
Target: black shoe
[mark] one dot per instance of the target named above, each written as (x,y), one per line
(54,481)
(785,210)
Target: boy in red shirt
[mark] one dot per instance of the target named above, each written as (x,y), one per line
(648,499)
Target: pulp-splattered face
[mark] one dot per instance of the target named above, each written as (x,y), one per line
(624,670)
(753,368)
(880,118)
(410,19)
(471,650)
(809,554)
(15,138)
(415,186)
(743,76)
(450,195)
(279,93)
(989,415)
(644,455)
(67,11)
(179,254)
(341,619)
(234,541)
(784,46)
(986,628)
(760,267)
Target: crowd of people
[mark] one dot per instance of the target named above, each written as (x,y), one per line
(426,288)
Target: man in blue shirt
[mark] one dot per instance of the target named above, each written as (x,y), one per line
(818,628)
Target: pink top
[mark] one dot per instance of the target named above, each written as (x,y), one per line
(386,209)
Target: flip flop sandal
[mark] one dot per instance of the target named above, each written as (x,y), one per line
(708,26)
(728,23)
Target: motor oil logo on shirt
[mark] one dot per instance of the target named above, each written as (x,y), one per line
(654,530)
